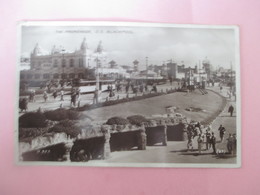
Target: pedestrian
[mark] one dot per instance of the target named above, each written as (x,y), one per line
(141,88)
(198,126)
(208,137)
(213,142)
(231,110)
(127,88)
(200,142)
(55,94)
(95,98)
(230,144)
(190,144)
(234,145)
(73,98)
(45,96)
(146,87)
(61,95)
(23,104)
(78,97)
(221,132)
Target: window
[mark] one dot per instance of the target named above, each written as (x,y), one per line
(55,64)
(71,75)
(56,76)
(80,62)
(29,76)
(64,76)
(46,76)
(63,62)
(22,76)
(80,76)
(37,76)
(71,62)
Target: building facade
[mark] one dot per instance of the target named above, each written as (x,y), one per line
(57,65)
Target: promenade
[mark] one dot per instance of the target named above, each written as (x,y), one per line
(176,152)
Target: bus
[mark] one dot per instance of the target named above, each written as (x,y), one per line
(89,86)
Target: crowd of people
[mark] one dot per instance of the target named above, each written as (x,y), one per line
(206,139)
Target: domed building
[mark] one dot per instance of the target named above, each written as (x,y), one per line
(58,64)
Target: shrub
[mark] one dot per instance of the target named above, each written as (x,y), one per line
(67,126)
(62,114)
(32,120)
(30,133)
(137,120)
(117,121)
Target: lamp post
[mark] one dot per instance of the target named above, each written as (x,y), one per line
(98,51)
(63,62)
(231,82)
(146,69)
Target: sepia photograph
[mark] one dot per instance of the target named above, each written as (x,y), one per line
(120,94)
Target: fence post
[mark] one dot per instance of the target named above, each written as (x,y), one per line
(142,138)
(165,135)
(105,130)
(68,147)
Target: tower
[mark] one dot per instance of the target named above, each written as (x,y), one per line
(36,50)
(83,46)
(207,67)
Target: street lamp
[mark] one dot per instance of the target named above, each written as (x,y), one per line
(98,51)
(146,69)
(63,62)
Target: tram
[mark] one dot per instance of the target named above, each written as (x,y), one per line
(89,86)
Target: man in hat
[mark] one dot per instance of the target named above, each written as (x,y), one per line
(231,110)
(213,142)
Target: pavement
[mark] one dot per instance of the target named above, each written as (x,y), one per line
(52,104)
(176,152)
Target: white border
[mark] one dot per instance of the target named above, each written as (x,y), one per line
(131,24)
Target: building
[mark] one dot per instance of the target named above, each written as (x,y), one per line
(175,71)
(60,64)
(207,67)
(191,75)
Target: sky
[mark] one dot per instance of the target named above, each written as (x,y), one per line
(126,44)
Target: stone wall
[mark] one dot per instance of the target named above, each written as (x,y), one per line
(157,134)
(59,147)
(50,153)
(175,132)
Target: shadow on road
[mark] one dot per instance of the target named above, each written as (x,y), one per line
(196,154)
(224,156)
(228,116)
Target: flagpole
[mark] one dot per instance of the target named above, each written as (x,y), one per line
(97,91)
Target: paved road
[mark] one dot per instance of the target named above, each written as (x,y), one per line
(52,104)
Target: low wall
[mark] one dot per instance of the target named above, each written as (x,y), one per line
(156,135)
(176,132)
(50,153)
(100,147)
(124,140)
(87,149)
